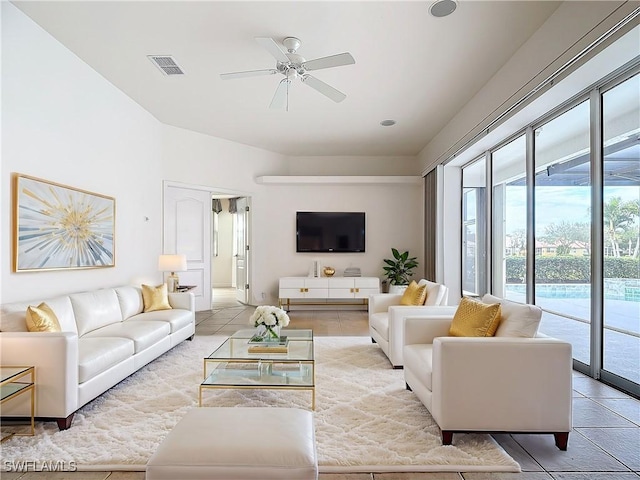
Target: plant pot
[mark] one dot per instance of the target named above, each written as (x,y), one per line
(397,289)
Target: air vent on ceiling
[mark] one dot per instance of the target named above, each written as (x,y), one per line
(166,64)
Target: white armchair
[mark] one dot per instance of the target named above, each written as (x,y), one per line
(386,317)
(490,384)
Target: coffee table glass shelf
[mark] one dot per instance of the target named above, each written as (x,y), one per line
(232,365)
(13,383)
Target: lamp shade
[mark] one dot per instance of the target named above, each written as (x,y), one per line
(172,263)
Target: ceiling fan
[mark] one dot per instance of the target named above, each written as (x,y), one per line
(292,65)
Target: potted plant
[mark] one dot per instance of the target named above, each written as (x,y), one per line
(399,270)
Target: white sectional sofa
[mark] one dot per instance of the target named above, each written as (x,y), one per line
(105,337)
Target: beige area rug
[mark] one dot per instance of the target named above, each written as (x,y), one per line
(366,421)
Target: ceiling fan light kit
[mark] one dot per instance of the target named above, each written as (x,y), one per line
(293,65)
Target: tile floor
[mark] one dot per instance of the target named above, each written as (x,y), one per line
(604,444)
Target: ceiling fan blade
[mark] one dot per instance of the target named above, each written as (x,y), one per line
(273,48)
(323,88)
(328,62)
(281,97)
(248,73)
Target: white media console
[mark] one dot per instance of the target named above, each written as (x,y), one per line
(329,290)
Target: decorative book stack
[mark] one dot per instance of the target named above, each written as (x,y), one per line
(352,272)
(260,345)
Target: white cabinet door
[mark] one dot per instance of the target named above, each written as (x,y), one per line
(292,293)
(365,286)
(341,287)
(316,287)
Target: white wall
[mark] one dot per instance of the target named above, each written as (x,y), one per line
(393,218)
(394,213)
(63,122)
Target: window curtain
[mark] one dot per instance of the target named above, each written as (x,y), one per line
(430,216)
(233,205)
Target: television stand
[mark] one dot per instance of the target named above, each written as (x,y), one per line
(326,291)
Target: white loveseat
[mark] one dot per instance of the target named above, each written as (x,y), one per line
(517,381)
(386,317)
(105,337)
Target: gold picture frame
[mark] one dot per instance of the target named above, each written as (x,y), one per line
(60,227)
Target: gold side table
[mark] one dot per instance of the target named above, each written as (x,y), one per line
(13,385)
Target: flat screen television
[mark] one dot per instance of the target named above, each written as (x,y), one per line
(330,232)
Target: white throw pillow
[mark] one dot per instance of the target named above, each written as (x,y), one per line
(435,292)
(518,319)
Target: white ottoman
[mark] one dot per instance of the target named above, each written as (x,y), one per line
(240,443)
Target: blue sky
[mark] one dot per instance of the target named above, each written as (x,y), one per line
(557,204)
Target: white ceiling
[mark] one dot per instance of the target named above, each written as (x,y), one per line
(411,67)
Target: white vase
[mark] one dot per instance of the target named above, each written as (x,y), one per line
(397,289)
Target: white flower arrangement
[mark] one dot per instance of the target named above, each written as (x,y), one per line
(269,316)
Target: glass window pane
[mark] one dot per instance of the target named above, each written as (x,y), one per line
(474,228)
(563,228)
(621,223)
(509,234)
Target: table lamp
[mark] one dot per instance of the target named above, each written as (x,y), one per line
(173,264)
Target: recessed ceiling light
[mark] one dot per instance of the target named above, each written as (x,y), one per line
(442,8)
(387,123)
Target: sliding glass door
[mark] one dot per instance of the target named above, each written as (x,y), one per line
(509,221)
(564,222)
(621,228)
(562,228)
(474,203)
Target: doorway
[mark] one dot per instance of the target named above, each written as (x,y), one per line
(191,226)
(230,247)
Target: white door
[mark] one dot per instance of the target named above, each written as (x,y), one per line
(241,254)
(187,230)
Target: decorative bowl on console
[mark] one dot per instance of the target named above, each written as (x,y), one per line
(329,271)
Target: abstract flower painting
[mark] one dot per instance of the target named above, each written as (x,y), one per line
(59,227)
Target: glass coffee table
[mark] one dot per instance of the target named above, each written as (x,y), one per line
(231,365)
(13,383)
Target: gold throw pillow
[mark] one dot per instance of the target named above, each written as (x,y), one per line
(475,319)
(155,298)
(42,319)
(414,294)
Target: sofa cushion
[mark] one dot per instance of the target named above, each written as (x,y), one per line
(414,294)
(97,355)
(518,319)
(95,309)
(475,319)
(177,318)
(42,319)
(155,298)
(130,299)
(419,357)
(144,333)
(13,315)
(435,293)
(380,323)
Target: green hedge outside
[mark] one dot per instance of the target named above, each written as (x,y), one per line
(569,269)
